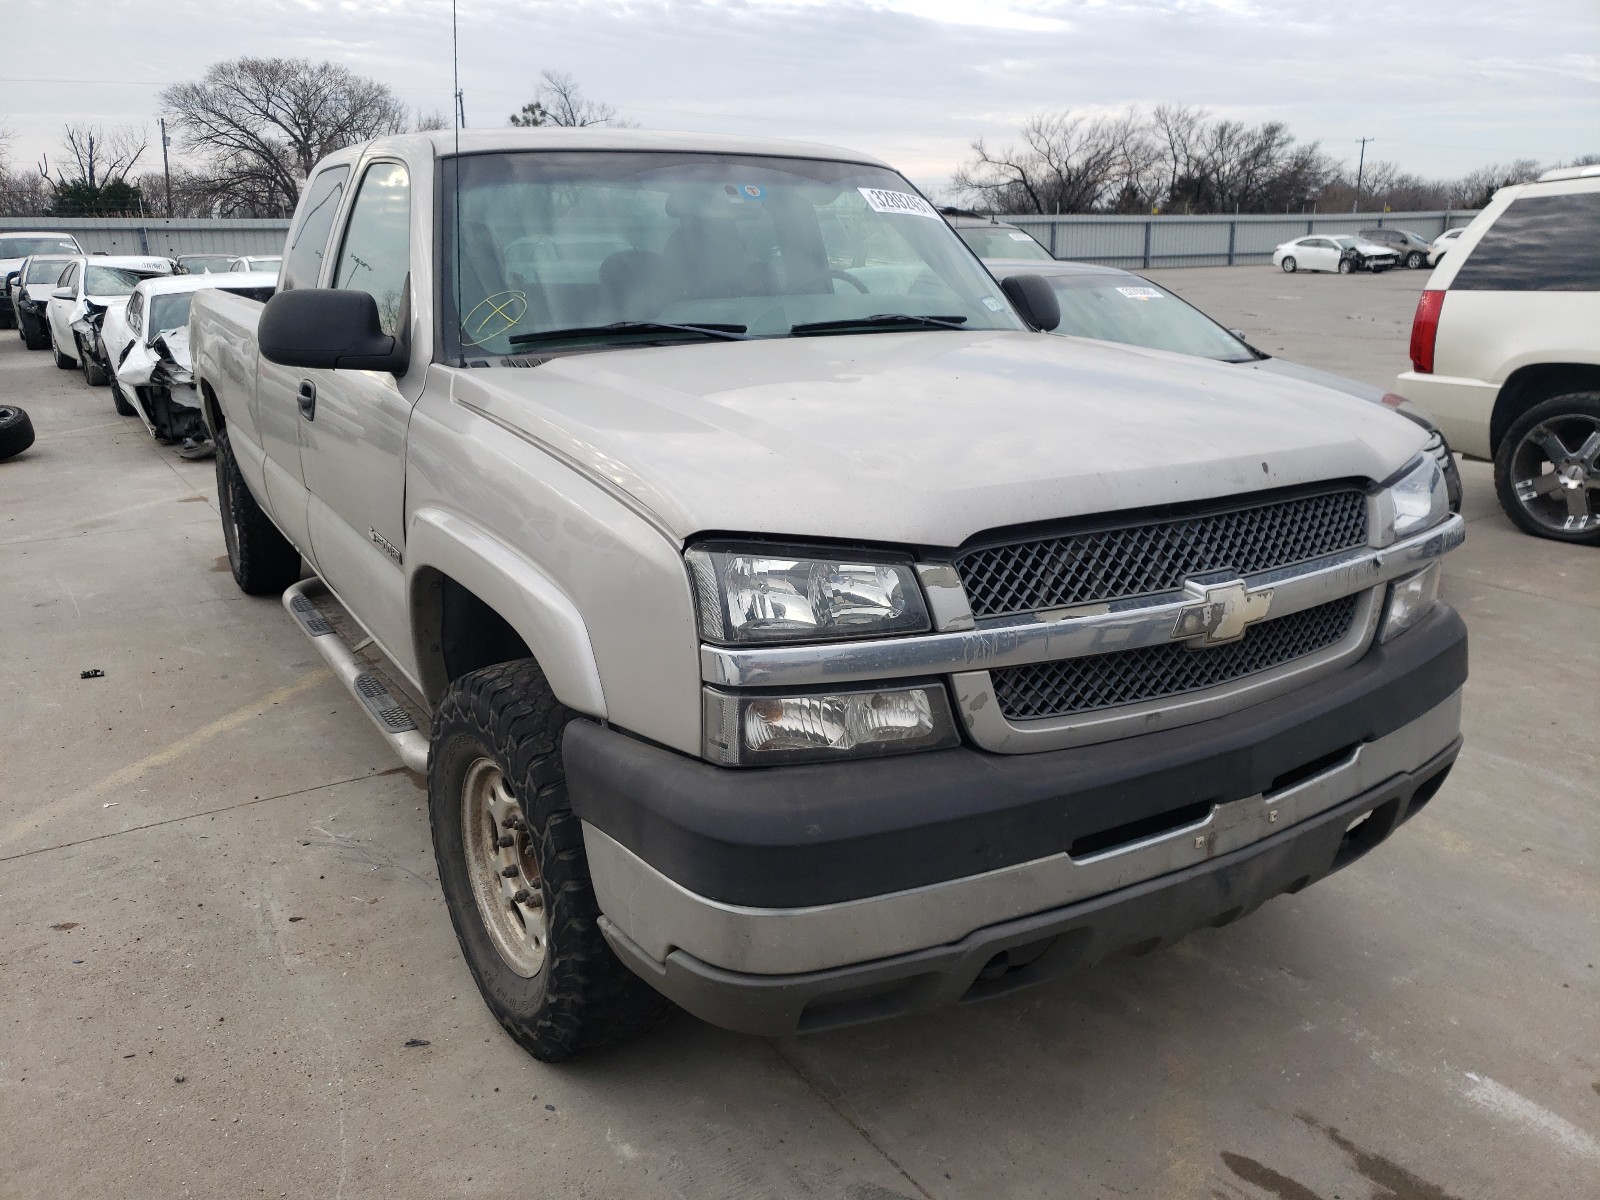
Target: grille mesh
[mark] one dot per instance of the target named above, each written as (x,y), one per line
(1140,560)
(1080,685)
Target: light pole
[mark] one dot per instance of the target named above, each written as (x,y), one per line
(166,169)
(1361,163)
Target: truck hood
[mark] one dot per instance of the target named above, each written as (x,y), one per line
(926,438)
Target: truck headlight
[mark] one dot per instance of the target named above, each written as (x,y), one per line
(754,731)
(768,596)
(1409,600)
(1420,499)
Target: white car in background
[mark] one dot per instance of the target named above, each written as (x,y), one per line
(147,344)
(1505,351)
(1443,243)
(257,262)
(29,292)
(16,246)
(85,290)
(202,264)
(1326,252)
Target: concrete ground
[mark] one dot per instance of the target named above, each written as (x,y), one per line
(227,970)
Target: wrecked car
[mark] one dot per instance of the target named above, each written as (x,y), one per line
(29,291)
(146,341)
(86,289)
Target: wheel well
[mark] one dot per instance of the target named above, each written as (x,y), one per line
(1532,385)
(467,634)
(209,407)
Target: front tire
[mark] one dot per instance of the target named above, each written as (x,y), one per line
(1415,260)
(93,374)
(1346,266)
(1561,503)
(1289,265)
(119,400)
(34,334)
(497,802)
(264,562)
(62,361)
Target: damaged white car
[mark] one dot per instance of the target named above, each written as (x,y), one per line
(86,290)
(147,343)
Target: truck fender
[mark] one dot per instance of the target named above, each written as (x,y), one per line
(442,542)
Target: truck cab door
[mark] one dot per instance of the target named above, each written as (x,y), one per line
(353,423)
(276,410)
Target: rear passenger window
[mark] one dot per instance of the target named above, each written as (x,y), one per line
(303,262)
(376,255)
(1539,244)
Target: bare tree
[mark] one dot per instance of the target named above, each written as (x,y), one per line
(427,122)
(558,100)
(1065,163)
(263,123)
(1175,128)
(98,157)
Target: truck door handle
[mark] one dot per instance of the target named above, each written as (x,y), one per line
(307,396)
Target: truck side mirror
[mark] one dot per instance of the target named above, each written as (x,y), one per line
(1035,299)
(328,328)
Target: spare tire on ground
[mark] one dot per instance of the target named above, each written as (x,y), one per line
(16,431)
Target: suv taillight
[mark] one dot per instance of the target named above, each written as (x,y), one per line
(1424,329)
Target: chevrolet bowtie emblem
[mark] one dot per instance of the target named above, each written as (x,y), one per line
(1223,613)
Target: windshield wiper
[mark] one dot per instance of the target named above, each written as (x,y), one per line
(879,319)
(729,332)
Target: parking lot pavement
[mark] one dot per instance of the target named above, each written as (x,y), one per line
(227,970)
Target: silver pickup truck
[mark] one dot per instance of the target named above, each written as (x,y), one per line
(785,625)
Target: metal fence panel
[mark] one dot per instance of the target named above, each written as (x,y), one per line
(168,238)
(1140,243)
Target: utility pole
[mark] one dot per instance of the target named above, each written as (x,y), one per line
(1360,167)
(461,110)
(166,169)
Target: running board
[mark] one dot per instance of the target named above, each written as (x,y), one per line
(387,713)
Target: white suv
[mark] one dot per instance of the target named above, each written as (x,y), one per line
(1505,351)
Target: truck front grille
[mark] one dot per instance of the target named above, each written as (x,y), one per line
(1099,681)
(1156,556)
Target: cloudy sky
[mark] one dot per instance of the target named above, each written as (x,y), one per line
(1443,85)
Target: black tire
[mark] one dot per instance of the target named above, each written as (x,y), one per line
(1416,260)
(1289,265)
(16,431)
(8,320)
(1531,496)
(93,373)
(119,400)
(34,334)
(579,997)
(1346,266)
(264,562)
(62,361)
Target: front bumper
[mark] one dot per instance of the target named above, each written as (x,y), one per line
(795,898)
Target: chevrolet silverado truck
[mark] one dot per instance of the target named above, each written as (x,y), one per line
(785,625)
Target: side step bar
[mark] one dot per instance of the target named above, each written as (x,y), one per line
(387,713)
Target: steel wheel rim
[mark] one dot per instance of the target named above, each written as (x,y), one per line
(494,840)
(1566,497)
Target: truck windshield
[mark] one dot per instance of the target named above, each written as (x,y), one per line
(571,244)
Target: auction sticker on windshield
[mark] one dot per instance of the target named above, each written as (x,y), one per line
(1139,293)
(903,203)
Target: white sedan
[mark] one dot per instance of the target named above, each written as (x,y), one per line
(257,262)
(85,290)
(1443,243)
(1343,254)
(147,344)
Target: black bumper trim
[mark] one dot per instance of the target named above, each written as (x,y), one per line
(1002,958)
(788,837)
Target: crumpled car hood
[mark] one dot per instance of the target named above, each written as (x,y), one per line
(927,438)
